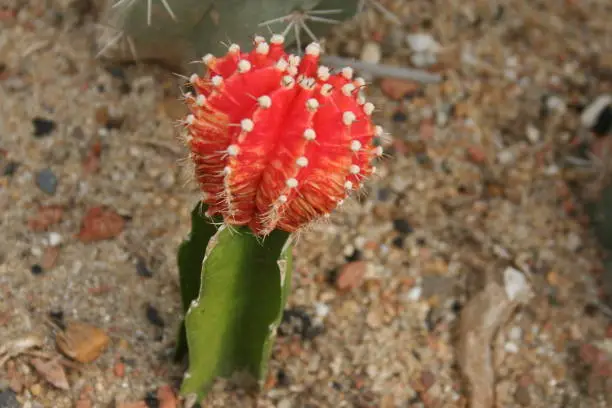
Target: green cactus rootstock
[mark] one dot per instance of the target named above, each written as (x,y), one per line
(231,325)
(190,257)
(178,31)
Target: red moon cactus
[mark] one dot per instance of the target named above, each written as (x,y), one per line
(277,140)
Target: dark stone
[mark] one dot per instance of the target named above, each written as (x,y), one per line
(603,125)
(402,226)
(8,399)
(398,242)
(355,256)
(282,379)
(151,400)
(116,72)
(331,276)
(142,269)
(43,127)
(383,194)
(590,309)
(297,322)
(10,168)
(399,116)
(113,123)
(57,316)
(423,159)
(154,317)
(336,386)
(47,181)
(36,269)
(125,88)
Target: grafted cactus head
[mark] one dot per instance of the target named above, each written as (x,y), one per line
(278,140)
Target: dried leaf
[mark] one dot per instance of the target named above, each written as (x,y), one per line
(100,224)
(480,321)
(52,372)
(46,216)
(16,347)
(82,342)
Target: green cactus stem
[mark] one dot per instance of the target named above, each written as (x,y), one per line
(190,257)
(232,323)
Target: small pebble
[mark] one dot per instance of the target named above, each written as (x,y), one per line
(351,275)
(154,317)
(422,43)
(36,269)
(353,255)
(284,403)
(371,52)
(374,318)
(597,116)
(142,269)
(398,242)
(476,155)
(398,89)
(423,59)
(116,72)
(515,333)
(533,134)
(282,379)
(167,180)
(399,116)
(510,347)
(36,389)
(46,181)
(151,400)
(505,157)
(522,396)
(297,321)
(8,399)
(428,379)
(402,226)
(54,239)
(414,294)
(10,168)
(119,369)
(321,310)
(383,194)
(43,127)
(57,316)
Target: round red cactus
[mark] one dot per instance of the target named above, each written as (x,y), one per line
(277,140)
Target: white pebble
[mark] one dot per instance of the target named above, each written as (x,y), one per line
(511,348)
(371,52)
(414,294)
(54,239)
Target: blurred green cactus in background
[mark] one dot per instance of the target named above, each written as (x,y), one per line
(175,32)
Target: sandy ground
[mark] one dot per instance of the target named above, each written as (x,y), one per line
(476,188)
